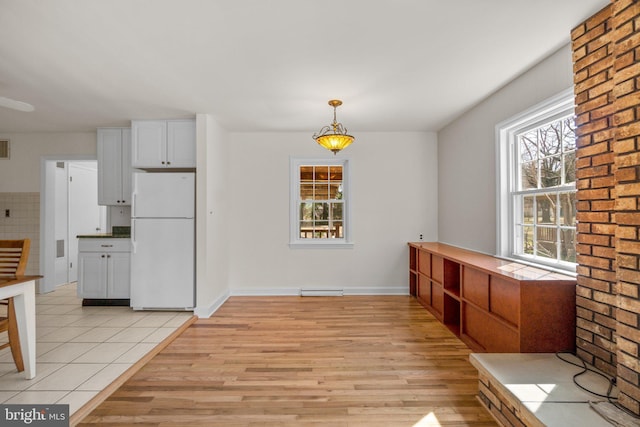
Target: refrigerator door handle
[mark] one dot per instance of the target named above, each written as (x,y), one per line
(133,204)
(133,236)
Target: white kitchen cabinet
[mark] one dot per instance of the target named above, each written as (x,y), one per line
(114,166)
(104,267)
(163,143)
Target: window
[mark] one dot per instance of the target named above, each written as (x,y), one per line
(320,203)
(537,192)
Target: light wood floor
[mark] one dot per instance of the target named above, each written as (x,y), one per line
(290,361)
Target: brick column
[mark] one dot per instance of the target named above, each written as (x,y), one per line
(595,169)
(626,34)
(606,53)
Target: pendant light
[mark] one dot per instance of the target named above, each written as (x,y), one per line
(334,137)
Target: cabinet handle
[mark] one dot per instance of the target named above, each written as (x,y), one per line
(163,162)
(106,246)
(108,256)
(168,163)
(102,256)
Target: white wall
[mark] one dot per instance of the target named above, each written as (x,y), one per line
(21,173)
(467,156)
(243,196)
(212,205)
(394,186)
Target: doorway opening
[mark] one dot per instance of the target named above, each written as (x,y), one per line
(68,207)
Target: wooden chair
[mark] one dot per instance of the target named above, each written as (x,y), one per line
(14,255)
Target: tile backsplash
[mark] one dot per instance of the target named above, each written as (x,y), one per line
(119,216)
(23,222)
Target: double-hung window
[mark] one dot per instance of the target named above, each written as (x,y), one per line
(537,191)
(320,203)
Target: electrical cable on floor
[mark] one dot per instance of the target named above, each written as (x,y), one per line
(586,369)
(611,380)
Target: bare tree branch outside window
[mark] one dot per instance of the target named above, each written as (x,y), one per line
(546,167)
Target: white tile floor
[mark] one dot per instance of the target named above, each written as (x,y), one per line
(81,350)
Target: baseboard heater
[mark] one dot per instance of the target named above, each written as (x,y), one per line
(321,292)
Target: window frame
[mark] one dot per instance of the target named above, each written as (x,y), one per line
(507,163)
(295,241)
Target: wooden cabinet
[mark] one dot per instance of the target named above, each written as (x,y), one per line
(163,144)
(114,166)
(494,305)
(104,267)
(438,286)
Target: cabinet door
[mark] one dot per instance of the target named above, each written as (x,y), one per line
(149,144)
(126,167)
(92,275)
(485,330)
(181,144)
(424,263)
(118,275)
(109,167)
(437,300)
(475,287)
(424,290)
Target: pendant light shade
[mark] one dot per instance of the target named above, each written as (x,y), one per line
(334,137)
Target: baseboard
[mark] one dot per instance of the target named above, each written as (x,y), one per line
(205,312)
(346,291)
(266,292)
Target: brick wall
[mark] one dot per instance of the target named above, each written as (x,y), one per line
(606,53)
(507,412)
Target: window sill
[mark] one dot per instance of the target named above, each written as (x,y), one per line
(321,245)
(549,267)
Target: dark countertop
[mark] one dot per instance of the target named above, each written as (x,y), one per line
(103,236)
(118,232)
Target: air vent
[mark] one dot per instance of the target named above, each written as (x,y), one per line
(60,248)
(4,148)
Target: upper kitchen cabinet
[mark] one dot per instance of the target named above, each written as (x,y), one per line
(163,143)
(114,166)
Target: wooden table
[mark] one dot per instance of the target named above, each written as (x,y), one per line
(22,289)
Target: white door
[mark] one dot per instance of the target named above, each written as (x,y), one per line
(162,263)
(110,166)
(60,225)
(181,144)
(119,275)
(85,216)
(54,235)
(92,274)
(163,195)
(149,144)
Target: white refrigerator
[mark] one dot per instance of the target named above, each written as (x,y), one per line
(163,241)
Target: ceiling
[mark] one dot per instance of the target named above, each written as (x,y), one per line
(269,65)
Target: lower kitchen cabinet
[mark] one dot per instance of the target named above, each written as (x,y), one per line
(104,266)
(491,304)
